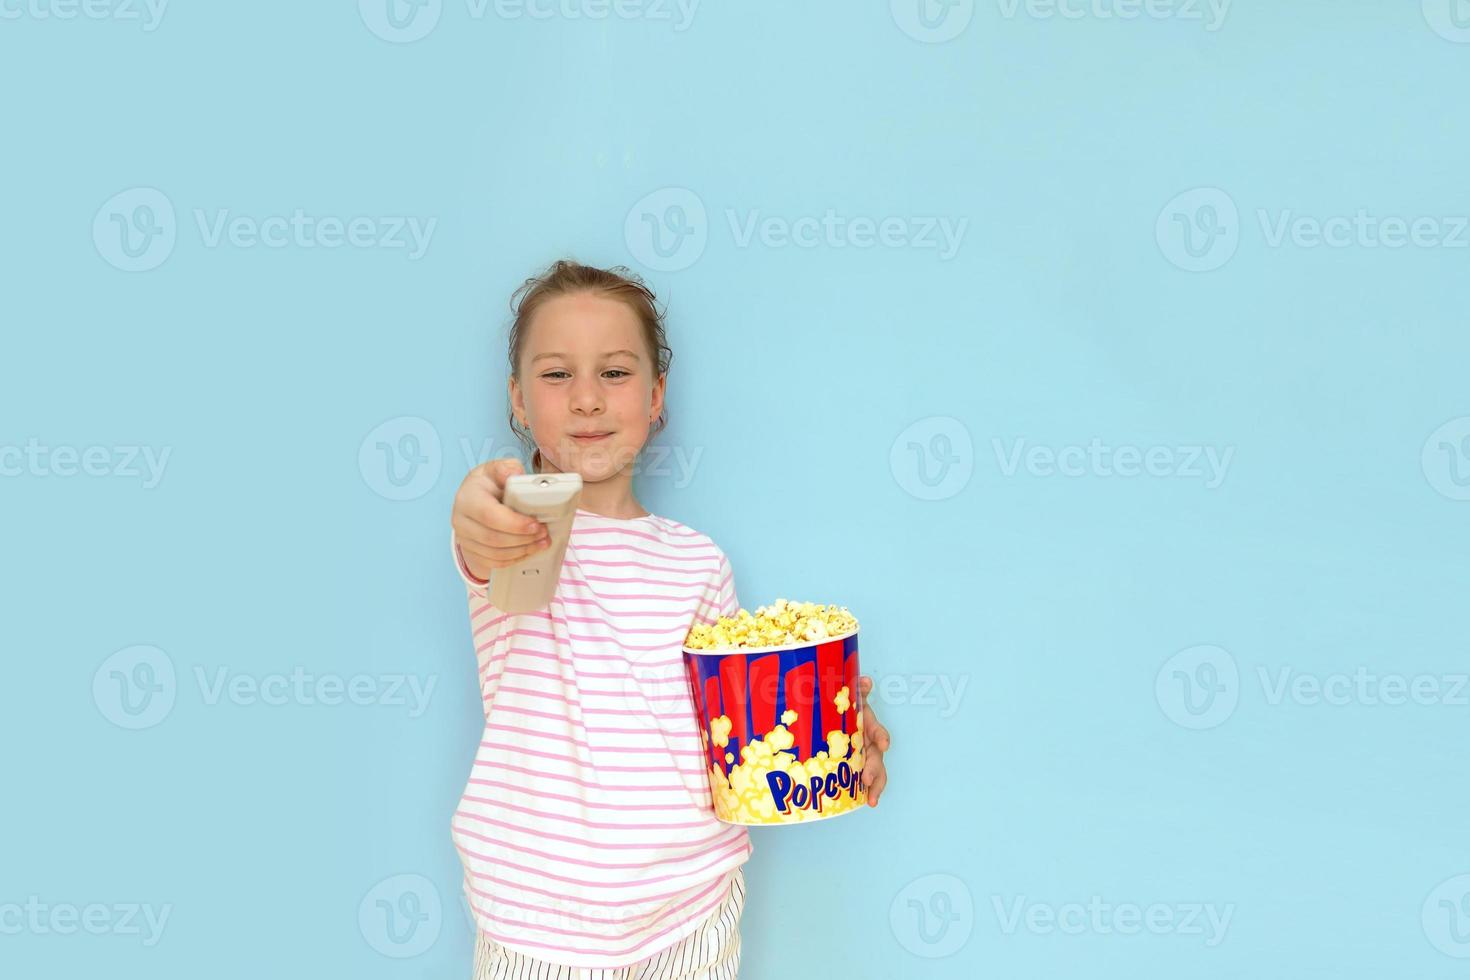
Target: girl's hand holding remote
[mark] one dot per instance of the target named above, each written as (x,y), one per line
(491,535)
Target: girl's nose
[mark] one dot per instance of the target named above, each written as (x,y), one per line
(586,397)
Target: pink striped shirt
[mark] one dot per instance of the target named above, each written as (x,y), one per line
(587,830)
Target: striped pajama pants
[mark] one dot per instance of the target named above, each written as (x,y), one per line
(711,952)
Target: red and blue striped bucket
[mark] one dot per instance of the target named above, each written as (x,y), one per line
(767,765)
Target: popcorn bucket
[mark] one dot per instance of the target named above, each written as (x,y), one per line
(782,729)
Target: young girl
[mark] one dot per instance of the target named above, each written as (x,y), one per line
(587,829)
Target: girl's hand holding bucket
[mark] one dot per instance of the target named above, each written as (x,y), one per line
(875,775)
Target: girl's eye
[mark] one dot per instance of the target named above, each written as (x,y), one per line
(619,372)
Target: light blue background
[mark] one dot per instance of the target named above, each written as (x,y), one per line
(1065,316)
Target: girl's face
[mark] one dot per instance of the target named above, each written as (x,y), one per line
(585,368)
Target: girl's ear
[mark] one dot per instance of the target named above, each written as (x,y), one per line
(517,403)
(657,407)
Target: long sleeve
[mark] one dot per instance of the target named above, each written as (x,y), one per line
(476,586)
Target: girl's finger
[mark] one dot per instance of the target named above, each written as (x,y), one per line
(875,781)
(882,740)
(879,737)
(523,531)
(501,557)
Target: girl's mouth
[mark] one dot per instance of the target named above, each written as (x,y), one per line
(591,438)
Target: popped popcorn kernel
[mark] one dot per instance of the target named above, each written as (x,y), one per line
(781,623)
(719,731)
(843,700)
(789,716)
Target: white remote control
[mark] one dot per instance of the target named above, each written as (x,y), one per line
(550,498)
